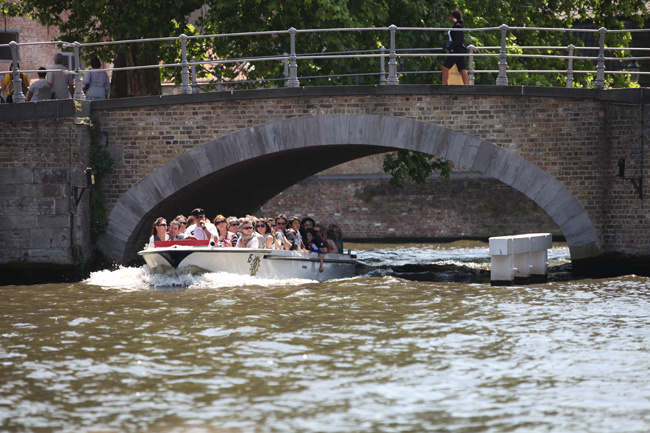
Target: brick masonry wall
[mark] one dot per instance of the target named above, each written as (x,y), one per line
(39,160)
(466,206)
(31,57)
(576,140)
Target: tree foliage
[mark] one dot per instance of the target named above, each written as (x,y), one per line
(101,20)
(113,20)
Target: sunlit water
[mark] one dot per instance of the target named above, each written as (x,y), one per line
(126,351)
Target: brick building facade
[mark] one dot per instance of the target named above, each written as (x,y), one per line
(25,30)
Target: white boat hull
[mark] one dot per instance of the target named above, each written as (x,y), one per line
(261,263)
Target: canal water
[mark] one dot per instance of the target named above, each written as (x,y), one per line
(418,341)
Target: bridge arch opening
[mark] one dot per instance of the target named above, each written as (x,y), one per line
(239,172)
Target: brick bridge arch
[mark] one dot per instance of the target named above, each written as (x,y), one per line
(238,173)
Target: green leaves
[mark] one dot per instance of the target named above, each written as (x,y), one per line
(407,165)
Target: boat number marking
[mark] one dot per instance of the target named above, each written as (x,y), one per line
(254,261)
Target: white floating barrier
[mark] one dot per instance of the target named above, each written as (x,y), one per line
(522,257)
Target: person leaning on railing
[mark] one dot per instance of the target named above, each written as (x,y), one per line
(455,45)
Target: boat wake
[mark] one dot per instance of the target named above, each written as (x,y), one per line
(141,278)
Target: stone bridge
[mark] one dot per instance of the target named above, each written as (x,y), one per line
(230,152)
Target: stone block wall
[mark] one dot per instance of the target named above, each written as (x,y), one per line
(467,206)
(40,161)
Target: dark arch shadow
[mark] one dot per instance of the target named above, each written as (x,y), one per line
(237,173)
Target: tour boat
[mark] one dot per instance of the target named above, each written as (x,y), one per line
(200,256)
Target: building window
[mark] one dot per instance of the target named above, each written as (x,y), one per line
(5,38)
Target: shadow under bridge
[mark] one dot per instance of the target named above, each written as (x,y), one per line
(237,173)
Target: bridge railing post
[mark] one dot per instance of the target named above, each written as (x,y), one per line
(18,95)
(569,71)
(185,72)
(293,65)
(600,67)
(285,63)
(382,66)
(470,65)
(78,80)
(502,79)
(392,62)
(195,85)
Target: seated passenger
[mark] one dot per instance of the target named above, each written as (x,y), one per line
(182,221)
(306,223)
(174,231)
(330,246)
(233,228)
(281,242)
(293,235)
(247,238)
(158,232)
(310,235)
(201,229)
(263,227)
(221,224)
(335,233)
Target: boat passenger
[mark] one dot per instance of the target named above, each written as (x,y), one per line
(202,229)
(336,234)
(293,235)
(281,242)
(330,246)
(306,223)
(221,224)
(174,231)
(182,221)
(263,227)
(158,232)
(233,228)
(312,246)
(247,238)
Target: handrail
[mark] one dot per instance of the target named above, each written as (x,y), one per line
(501,52)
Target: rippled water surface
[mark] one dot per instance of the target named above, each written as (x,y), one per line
(381,352)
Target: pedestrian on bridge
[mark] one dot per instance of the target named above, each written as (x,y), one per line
(455,45)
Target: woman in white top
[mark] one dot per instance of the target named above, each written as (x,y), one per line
(263,227)
(247,238)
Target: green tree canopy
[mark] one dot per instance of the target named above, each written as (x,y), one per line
(113,20)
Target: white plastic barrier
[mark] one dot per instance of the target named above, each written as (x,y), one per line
(519,256)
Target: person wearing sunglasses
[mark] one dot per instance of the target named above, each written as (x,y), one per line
(263,228)
(281,242)
(201,229)
(221,223)
(158,232)
(247,238)
(233,228)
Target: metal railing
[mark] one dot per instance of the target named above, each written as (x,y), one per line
(389,76)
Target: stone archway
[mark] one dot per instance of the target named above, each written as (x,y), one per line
(359,135)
